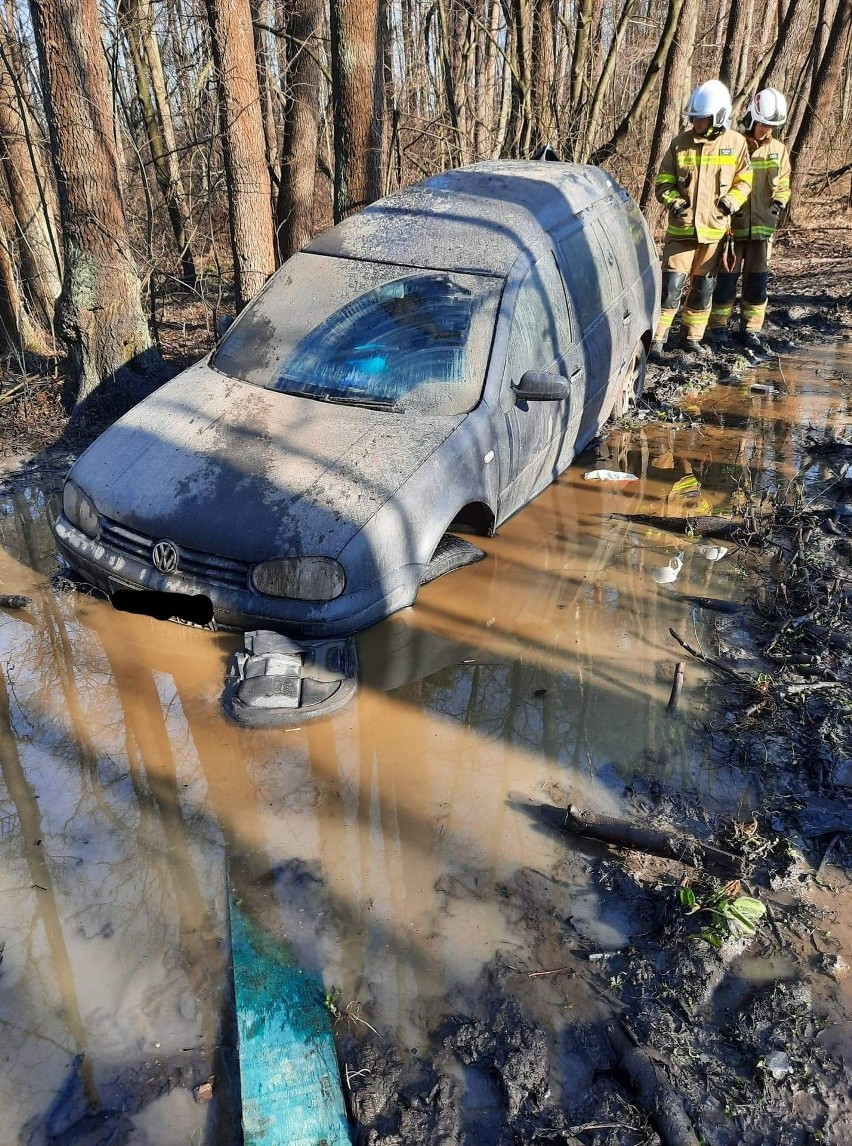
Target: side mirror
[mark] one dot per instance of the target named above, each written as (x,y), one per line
(223,325)
(539,386)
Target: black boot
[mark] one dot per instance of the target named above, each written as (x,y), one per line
(719,339)
(655,354)
(693,346)
(751,341)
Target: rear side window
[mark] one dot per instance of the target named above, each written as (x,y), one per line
(541,328)
(587,275)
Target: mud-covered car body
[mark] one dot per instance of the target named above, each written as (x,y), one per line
(371,399)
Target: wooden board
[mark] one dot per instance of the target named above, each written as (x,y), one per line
(289,1076)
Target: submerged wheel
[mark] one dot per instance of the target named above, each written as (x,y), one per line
(633,384)
(452,553)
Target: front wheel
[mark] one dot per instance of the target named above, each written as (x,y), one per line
(632,386)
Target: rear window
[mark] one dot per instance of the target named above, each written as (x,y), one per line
(367,334)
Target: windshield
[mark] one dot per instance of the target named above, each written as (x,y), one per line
(368,334)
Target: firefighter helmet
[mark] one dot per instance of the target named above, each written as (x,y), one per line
(711,100)
(769,107)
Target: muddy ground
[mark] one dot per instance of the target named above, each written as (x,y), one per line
(695,1029)
(663,1035)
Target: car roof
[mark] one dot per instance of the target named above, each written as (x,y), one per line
(476,219)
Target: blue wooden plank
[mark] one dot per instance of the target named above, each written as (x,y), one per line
(289,1076)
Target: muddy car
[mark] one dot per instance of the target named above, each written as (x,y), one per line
(422,369)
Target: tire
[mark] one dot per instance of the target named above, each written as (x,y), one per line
(633,385)
(452,553)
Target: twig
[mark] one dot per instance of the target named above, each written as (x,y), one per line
(538,974)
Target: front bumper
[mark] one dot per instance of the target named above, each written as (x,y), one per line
(238,608)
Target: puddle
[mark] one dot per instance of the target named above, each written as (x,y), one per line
(378,841)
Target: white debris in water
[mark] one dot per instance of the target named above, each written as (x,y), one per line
(609,475)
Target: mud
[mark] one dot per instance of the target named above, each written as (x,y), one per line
(478,957)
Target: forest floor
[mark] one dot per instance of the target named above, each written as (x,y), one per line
(740,1038)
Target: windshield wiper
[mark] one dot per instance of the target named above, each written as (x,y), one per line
(367,403)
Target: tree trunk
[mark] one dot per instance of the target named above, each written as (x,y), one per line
(605,79)
(243,146)
(768,74)
(37,240)
(579,59)
(357,99)
(672,100)
(731,67)
(295,209)
(17,332)
(137,23)
(99,312)
(519,33)
(644,94)
(543,73)
(261,20)
(818,111)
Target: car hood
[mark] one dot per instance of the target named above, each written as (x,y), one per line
(224,467)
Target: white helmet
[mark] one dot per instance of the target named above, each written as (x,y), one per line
(769,107)
(711,100)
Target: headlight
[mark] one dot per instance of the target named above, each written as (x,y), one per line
(80,510)
(302,578)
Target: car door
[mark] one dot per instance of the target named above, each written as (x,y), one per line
(591,276)
(540,338)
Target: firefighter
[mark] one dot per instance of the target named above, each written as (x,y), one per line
(705,177)
(753,226)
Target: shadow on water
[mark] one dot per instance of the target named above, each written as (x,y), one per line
(385,844)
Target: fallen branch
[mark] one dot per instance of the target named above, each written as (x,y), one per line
(720,666)
(677,686)
(620,833)
(655,1093)
(788,690)
(722,527)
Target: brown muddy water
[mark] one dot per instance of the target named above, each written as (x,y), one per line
(374,842)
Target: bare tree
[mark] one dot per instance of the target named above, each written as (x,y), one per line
(136,19)
(243,146)
(823,90)
(357,101)
(20,156)
(295,208)
(672,99)
(637,107)
(99,312)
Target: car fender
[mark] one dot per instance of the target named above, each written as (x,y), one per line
(400,538)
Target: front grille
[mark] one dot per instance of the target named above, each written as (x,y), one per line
(204,566)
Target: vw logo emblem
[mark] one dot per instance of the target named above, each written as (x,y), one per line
(165,556)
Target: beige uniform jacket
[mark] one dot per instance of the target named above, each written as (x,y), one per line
(702,171)
(770,163)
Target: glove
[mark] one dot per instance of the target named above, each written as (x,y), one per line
(725,206)
(775,208)
(680,207)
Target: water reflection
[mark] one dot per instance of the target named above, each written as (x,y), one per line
(377,843)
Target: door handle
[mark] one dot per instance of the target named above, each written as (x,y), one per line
(625,318)
(576,373)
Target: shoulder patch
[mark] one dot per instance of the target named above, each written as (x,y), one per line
(774,155)
(726,151)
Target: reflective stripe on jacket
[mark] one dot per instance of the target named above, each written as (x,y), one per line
(770,162)
(703,171)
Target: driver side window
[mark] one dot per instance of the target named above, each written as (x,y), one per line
(541,328)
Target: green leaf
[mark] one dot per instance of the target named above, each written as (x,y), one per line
(748,908)
(687,897)
(745,913)
(711,937)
